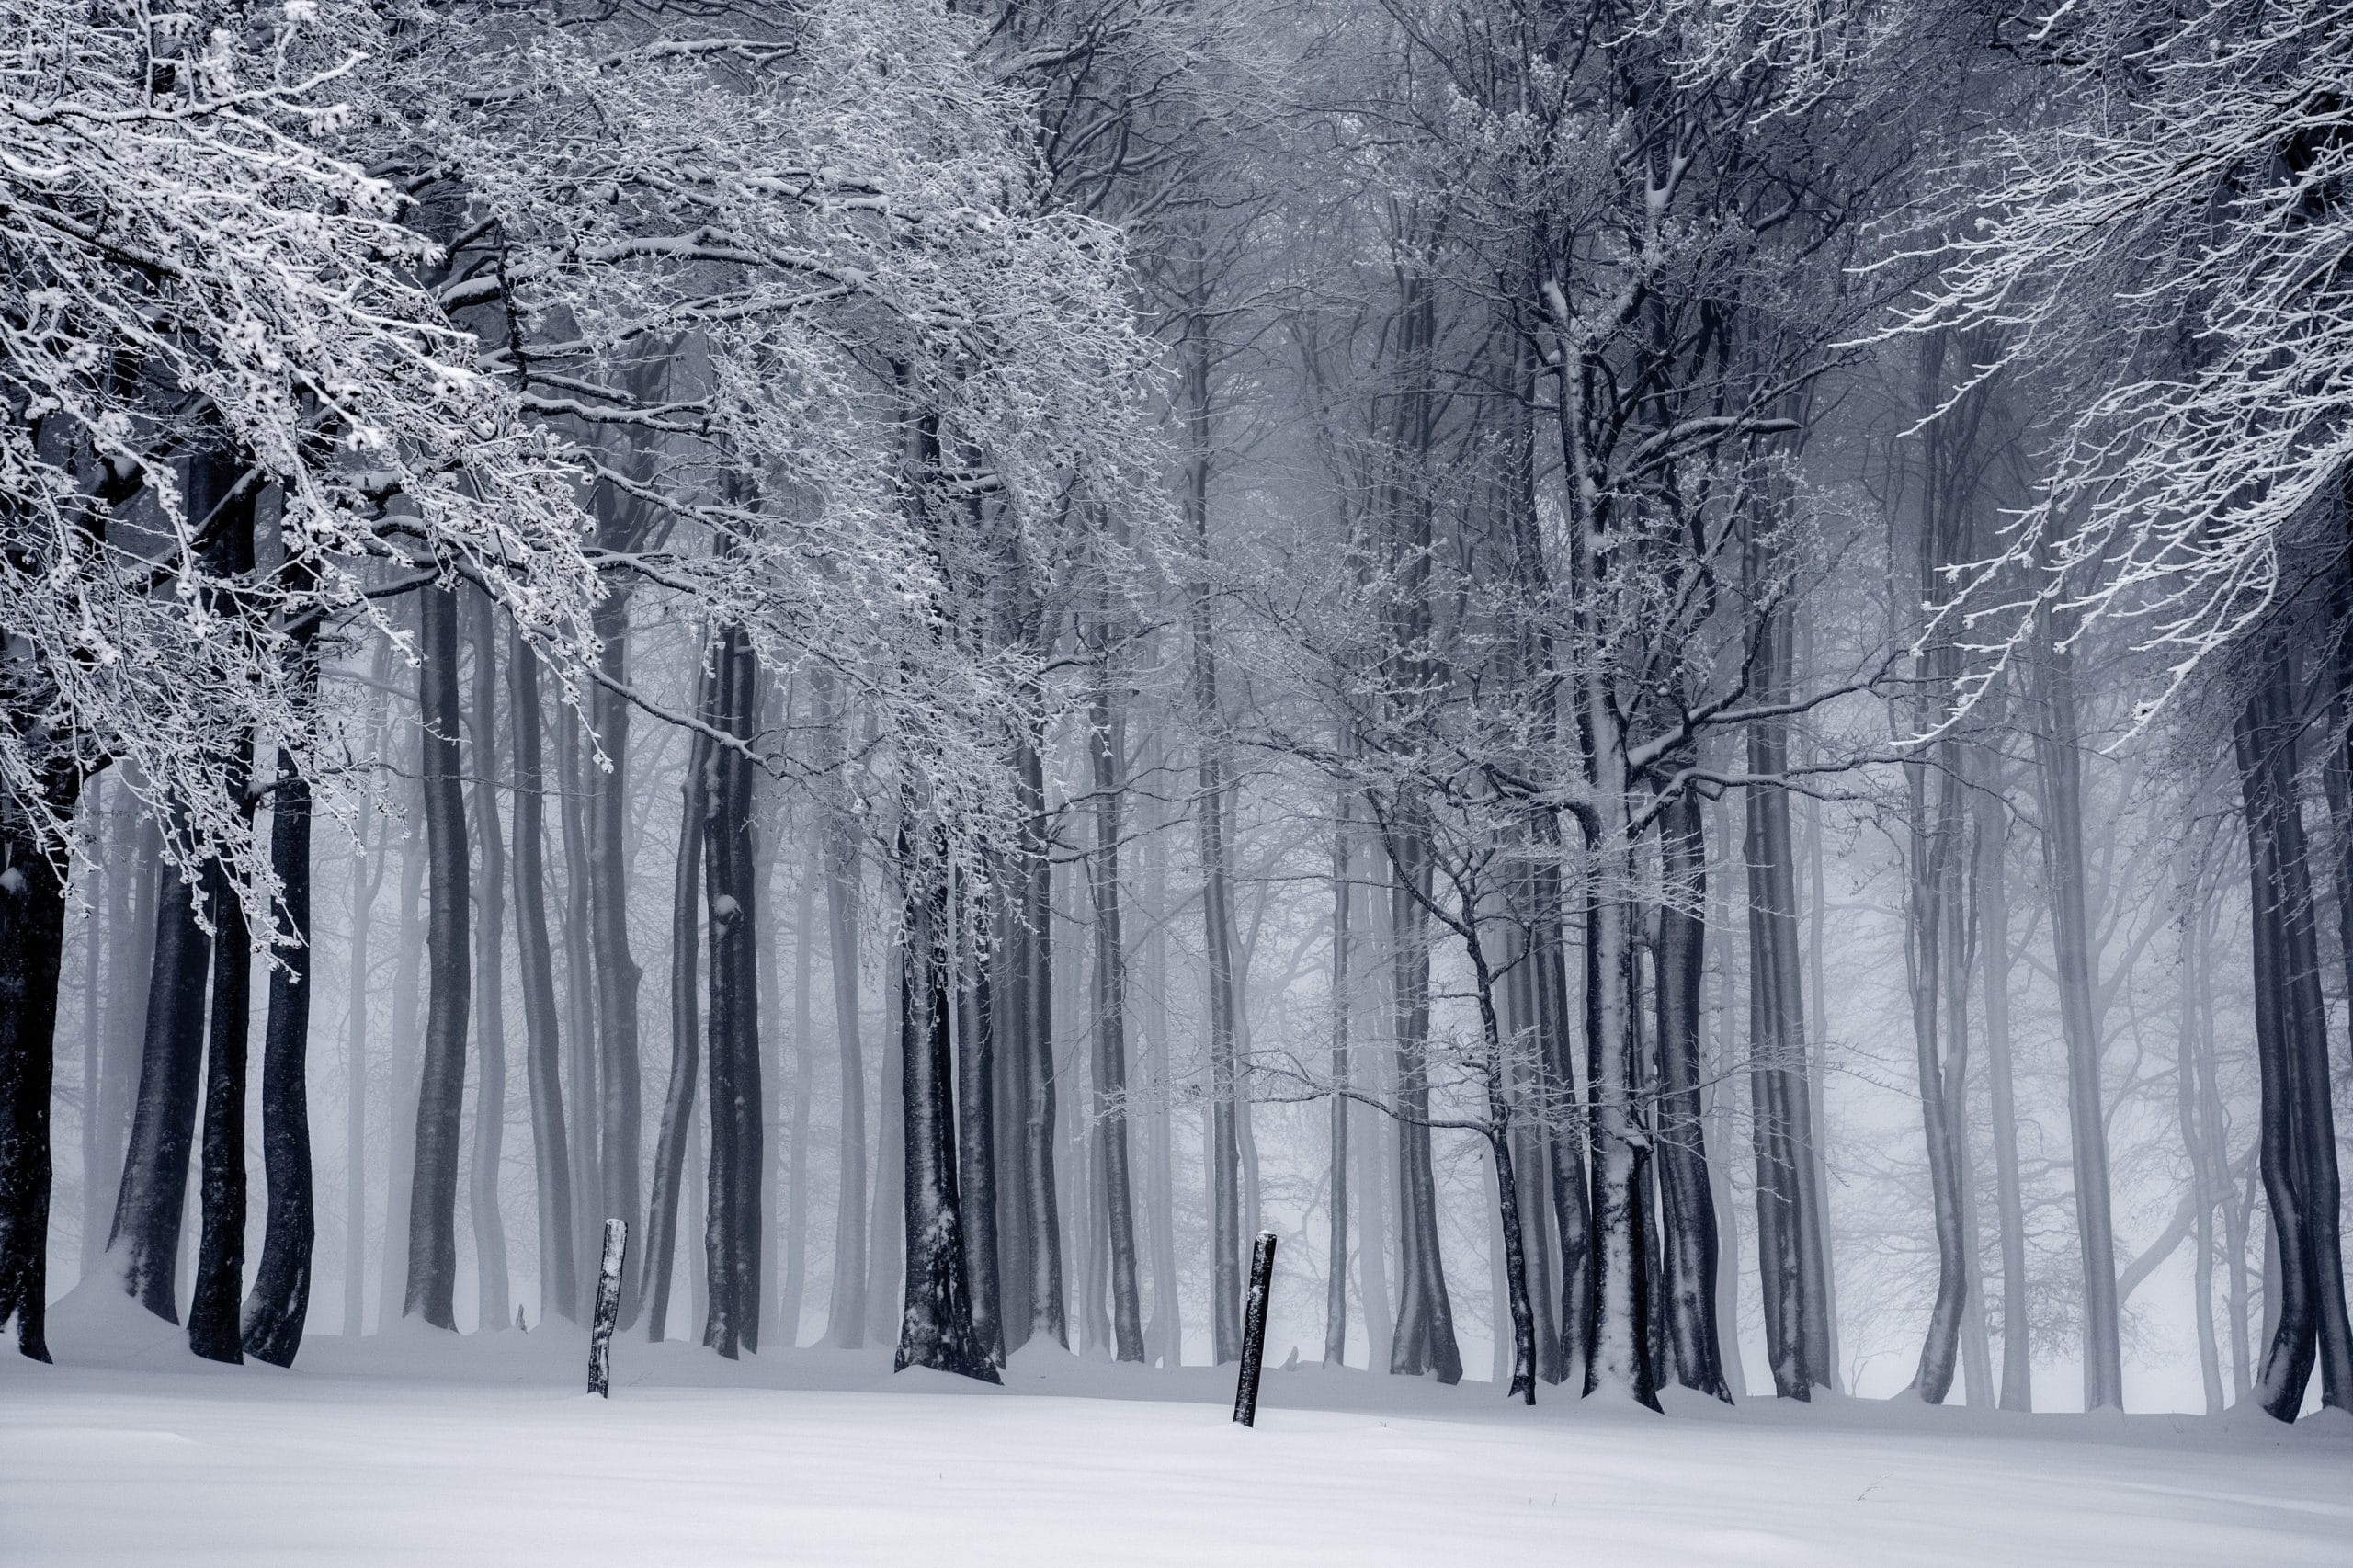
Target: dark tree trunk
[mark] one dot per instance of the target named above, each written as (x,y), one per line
(32,954)
(213,1326)
(542,1043)
(1689,1230)
(936,1322)
(1792,1256)
(1568,1121)
(734,1225)
(1617,1354)
(1042,1203)
(279,1303)
(1510,1224)
(441,1088)
(1424,1339)
(2296,1138)
(152,1197)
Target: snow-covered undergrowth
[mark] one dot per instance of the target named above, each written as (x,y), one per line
(419,1449)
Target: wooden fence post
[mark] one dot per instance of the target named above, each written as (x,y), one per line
(1253,1328)
(609,1308)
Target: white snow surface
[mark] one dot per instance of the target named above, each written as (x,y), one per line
(422,1449)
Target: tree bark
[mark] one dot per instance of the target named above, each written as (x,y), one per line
(660,1251)
(542,1039)
(357,988)
(1106,748)
(616,975)
(1335,1271)
(1423,1340)
(213,1326)
(795,1239)
(1686,1199)
(152,1200)
(1993,915)
(581,1037)
(1042,1204)
(735,1225)
(847,1311)
(440,1100)
(976,1073)
(2297,1135)
(2059,751)
(279,1303)
(936,1323)
(490,982)
(32,956)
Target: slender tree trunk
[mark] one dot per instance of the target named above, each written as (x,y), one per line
(585,1128)
(440,1101)
(1793,1256)
(99,933)
(358,986)
(737,1139)
(1042,1203)
(1217,904)
(685,1028)
(1107,748)
(1994,913)
(149,1203)
(2192,1043)
(885,1239)
(1336,1274)
(490,982)
(1930,905)
(1617,1360)
(976,1076)
(401,1096)
(1424,1340)
(32,957)
(616,975)
(213,1327)
(2059,751)
(796,1195)
(847,1311)
(1687,1201)
(134,859)
(279,1303)
(1165,1329)
(542,1043)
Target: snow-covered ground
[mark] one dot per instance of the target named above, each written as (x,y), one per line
(427,1451)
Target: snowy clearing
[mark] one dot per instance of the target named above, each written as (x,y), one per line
(417,1450)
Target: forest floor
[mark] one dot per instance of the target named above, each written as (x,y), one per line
(428,1450)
